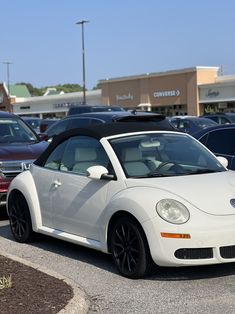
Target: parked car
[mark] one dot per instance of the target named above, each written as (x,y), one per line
(33,122)
(191,124)
(221,118)
(92,108)
(93,118)
(45,123)
(220,140)
(19,147)
(140,193)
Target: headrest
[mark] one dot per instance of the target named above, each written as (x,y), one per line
(85,154)
(131,154)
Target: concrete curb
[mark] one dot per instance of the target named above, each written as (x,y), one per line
(79,304)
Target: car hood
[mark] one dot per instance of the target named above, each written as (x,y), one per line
(210,193)
(22,151)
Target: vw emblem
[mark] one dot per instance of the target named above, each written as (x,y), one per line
(232,202)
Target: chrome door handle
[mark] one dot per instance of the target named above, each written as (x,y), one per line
(56,183)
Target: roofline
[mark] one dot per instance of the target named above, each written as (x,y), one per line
(154,74)
(66,97)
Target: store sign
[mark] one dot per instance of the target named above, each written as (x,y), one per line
(125,97)
(65,105)
(212,93)
(166,93)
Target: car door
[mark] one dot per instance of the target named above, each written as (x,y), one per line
(77,201)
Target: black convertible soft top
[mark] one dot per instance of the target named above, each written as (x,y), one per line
(104,130)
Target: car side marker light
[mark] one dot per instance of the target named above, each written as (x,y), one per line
(175,235)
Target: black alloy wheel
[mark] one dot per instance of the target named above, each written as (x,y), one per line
(19,217)
(129,248)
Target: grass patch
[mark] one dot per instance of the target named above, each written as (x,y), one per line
(5,282)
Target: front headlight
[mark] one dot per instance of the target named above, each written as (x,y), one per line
(172,211)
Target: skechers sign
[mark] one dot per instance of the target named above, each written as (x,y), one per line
(166,93)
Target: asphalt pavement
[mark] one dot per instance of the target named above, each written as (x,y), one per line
(209,289)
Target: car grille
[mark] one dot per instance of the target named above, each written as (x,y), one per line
(11,168)
(227,251)
(194,253)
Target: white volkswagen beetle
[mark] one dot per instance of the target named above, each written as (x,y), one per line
(141,194)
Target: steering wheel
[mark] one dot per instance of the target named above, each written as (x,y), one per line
(174,166)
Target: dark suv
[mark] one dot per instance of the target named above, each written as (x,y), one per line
(94,118)
(19,147)
(221,118)
(220,140)
(92,108)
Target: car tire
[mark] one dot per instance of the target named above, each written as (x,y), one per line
(129,248)
(19,217)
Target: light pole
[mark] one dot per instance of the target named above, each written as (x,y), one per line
(8,77)
(82,22)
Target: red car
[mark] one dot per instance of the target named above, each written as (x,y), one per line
(19,147)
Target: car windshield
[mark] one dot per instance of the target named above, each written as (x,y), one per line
(34,123)
(14,130)
(163,154)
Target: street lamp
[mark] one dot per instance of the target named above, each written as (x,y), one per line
(8,76)
(82,22)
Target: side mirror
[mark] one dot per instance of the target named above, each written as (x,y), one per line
(223,161)
(43,136)
(99,172)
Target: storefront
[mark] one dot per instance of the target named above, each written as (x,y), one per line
(55,106)
(190,91)
(171,93)
(218,97)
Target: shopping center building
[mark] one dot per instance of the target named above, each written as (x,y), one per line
(189,91)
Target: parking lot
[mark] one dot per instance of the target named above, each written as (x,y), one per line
(169,290)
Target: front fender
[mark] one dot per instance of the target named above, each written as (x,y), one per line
(24,183)
(140,202)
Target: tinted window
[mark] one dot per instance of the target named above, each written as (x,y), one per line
(57,128)
(82,122)
(224,120)
(76,110)
(78,123)
(222,141)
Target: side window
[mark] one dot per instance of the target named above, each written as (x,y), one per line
(224,120)
(54,160)
(222,141)
(83,152)
(184,125)
(203,139)
(78,123)
(58,128)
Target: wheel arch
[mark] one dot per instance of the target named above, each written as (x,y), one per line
(117,215)
(29,193)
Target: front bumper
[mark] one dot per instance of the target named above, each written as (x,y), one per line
(212,241)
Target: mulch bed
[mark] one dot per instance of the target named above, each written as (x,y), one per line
(32,291)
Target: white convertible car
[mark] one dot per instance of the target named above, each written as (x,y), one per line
(141,194)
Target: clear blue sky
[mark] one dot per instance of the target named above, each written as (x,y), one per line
(124,37)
